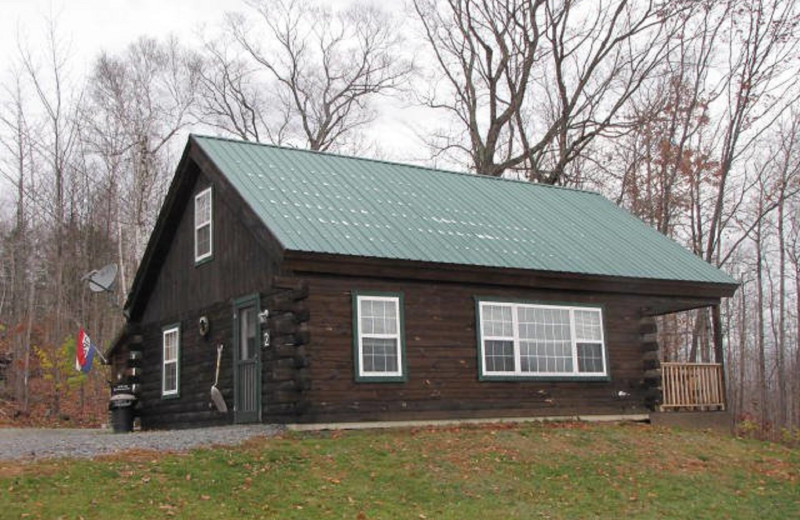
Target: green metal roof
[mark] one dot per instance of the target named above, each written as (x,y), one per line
(325,203)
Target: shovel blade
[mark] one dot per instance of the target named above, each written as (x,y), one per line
(218,400)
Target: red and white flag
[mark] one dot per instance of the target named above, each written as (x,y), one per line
(84,352)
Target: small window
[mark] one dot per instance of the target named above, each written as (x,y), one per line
(378,337)
(203,233)
(541,341)
(171,340)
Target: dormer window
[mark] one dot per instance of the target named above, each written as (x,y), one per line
(203,232)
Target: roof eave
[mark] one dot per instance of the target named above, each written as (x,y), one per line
(324,263)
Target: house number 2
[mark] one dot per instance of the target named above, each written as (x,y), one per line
(266,339)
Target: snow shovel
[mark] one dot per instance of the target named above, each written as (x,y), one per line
(216,395)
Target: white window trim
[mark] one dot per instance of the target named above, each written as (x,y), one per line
(176,361)
(398,336)
(518,373)
(198,225)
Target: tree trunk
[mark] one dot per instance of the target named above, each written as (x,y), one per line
(781,346)
(742,350)
(762,365)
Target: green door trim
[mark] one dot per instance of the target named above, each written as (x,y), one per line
(239,417)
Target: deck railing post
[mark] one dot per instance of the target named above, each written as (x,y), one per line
(719,351)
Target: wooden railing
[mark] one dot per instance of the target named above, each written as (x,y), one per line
(692,386)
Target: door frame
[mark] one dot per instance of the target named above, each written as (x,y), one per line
(250,300)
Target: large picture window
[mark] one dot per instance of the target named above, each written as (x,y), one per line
(378,337)
(203,232)
(171,343)
(547,341)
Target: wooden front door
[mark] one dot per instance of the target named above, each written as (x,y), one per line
(247,362)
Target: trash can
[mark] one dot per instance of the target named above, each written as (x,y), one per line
(121,405)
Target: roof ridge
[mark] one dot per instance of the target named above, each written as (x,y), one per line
(397,163)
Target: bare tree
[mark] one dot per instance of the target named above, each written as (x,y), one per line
(531,83)
(232,97)
(325,70)
(760,86)
(18,267)
(140,100)
(788,172)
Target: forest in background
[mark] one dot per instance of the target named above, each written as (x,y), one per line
(685,113)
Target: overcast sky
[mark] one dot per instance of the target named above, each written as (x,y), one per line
(94,25)
(88,27)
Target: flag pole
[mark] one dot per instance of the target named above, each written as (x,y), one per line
(97,351)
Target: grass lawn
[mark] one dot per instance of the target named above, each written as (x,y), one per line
(488,472)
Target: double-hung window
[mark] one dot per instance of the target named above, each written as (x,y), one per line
(378,337)
(521,340)
(203,232)
(171,344)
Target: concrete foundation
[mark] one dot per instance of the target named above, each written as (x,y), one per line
(721,422)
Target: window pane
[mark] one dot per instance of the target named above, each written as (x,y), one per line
(590,357)
(170,377)
(247,333)
(170,346)
(378,316)
(587,325)
(497,321)
(379,355)
(170,361)
(202,209)
(203,238)
(545,340)
(545,356)
(498,356)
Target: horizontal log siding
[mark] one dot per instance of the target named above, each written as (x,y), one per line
(441,350)
(196,363)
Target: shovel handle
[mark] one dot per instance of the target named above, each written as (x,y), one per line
(219,360)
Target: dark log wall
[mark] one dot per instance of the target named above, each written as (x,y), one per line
(285,376)
(184,292)
(441,350)
(196,364)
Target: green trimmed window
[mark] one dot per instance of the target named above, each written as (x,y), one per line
(535,340)
(378,337)
(171,343)
(203,232)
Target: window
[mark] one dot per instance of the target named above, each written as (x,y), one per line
(378,337)
(171,340)
(541,341)
(202,225)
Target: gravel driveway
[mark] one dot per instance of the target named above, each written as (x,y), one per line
(35,443)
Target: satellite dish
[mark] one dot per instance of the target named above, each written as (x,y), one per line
(102,280)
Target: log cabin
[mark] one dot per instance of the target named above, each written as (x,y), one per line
(344,289)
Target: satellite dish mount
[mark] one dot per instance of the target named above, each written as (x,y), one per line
(102,280)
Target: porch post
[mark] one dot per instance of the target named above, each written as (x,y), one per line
(716,322)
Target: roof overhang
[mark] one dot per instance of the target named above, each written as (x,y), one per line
(666,296)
